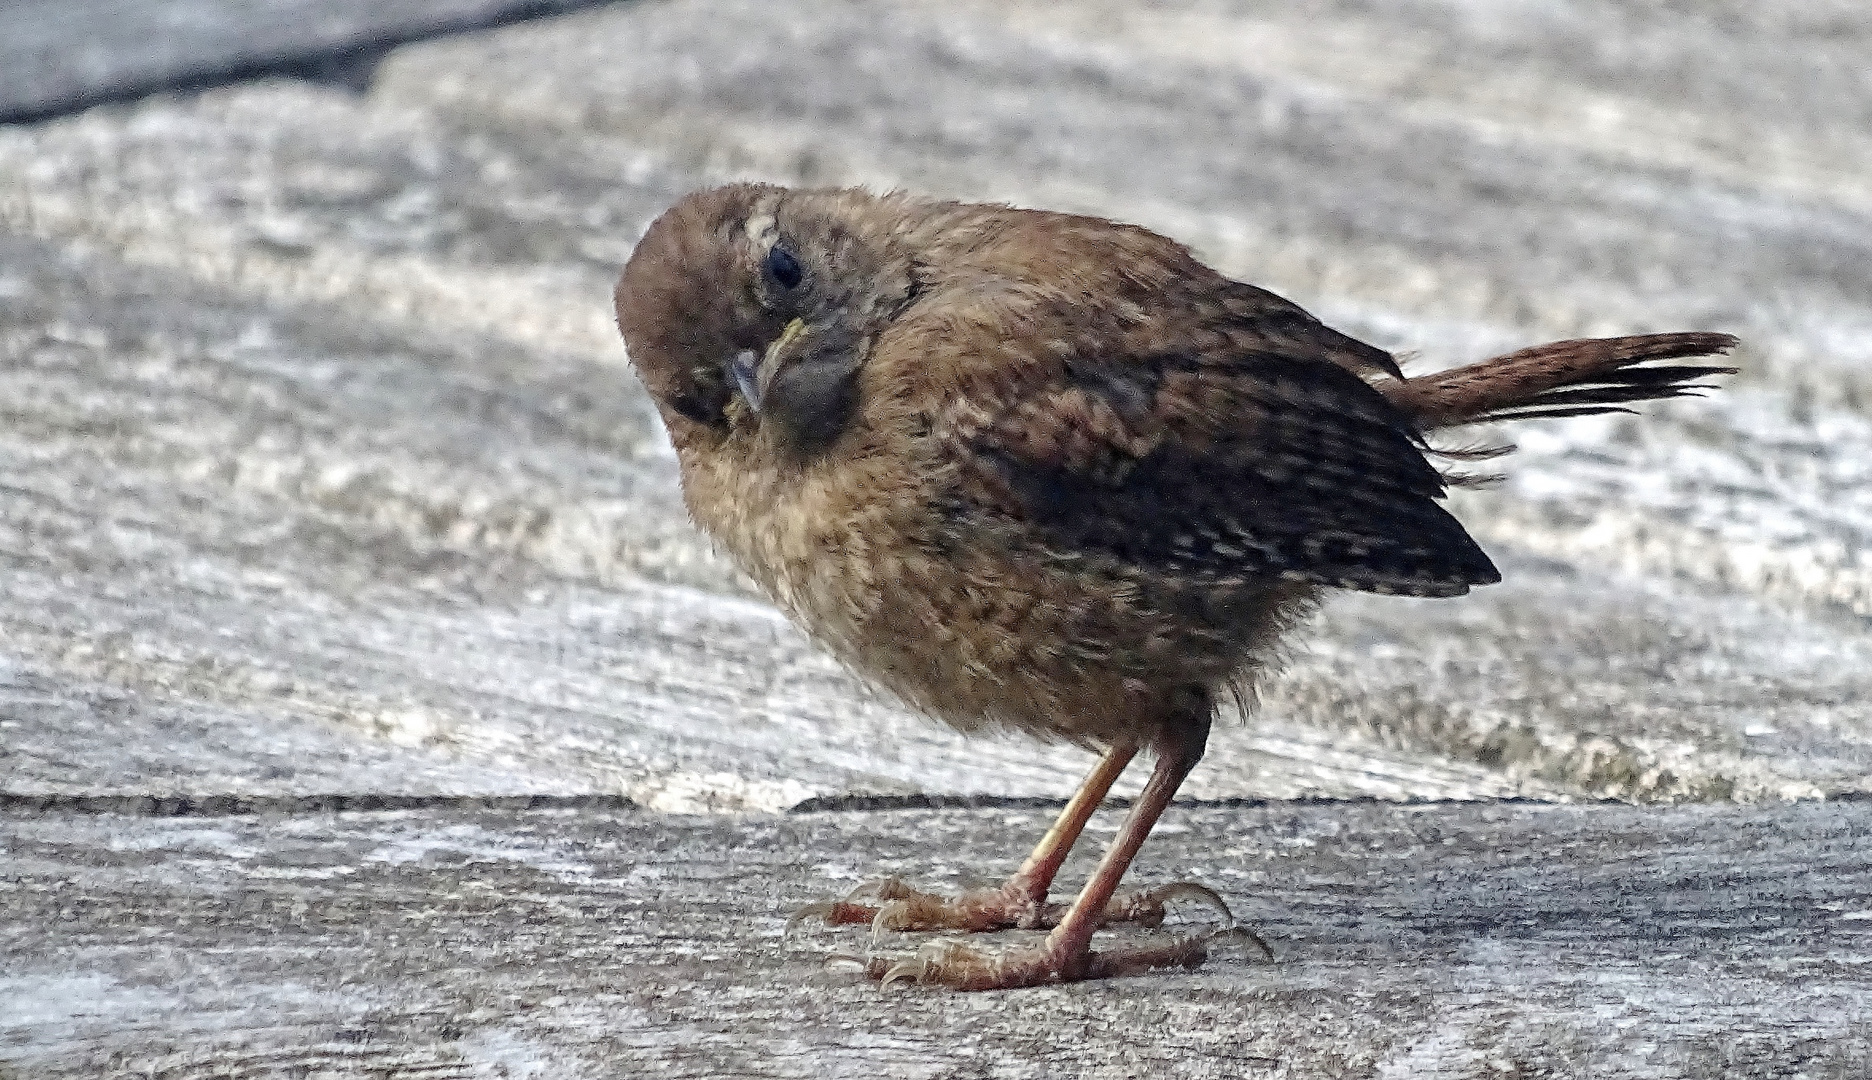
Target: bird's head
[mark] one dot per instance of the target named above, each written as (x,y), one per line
(749,309)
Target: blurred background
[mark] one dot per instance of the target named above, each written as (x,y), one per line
(321,469)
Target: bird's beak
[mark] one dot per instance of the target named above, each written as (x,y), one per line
(745,377)
(751,376)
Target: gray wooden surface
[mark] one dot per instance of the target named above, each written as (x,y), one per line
(62,55)
(321,475)
(1475,941)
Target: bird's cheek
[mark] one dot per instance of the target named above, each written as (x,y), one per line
(695,396)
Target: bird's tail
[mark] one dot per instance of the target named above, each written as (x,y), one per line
(1562,378)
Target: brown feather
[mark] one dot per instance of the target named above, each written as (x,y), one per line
(1562,378)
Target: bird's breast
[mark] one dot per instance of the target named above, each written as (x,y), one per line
(831,540)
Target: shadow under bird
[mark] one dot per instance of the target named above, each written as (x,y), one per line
(1047,472)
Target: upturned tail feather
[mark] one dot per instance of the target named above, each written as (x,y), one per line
(1562,378)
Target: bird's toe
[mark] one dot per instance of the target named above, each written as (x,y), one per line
(1147,907)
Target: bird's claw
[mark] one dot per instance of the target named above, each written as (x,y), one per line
(945,962)
(891,915)
(889,888)
(853,908)
(1147,906)
(1245,935)
(817,909)
(913,970)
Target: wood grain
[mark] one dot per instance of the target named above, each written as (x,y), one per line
(321,476)
(1424,941)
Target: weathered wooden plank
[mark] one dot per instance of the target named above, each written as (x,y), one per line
(65,55)
(1423,941)
(322,484)
(315,424)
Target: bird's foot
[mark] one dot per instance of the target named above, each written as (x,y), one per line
(958,966)
(890,904)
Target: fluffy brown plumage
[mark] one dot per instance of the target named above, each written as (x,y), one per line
(1052,473)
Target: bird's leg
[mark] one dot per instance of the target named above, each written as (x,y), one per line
(1020,901)
(1030,883)
(1066,955)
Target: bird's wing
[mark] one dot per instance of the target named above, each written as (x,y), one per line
(1245,456)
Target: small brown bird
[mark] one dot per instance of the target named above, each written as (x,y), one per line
(1046,472)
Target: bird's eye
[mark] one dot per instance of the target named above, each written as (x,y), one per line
(785,269)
